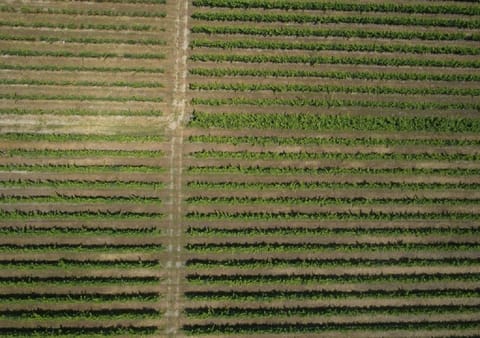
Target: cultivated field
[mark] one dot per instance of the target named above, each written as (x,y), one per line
(332,169)
(86,91)
(260,168)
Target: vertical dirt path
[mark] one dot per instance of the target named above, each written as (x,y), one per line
(175,231)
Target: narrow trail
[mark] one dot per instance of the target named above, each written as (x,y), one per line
(174,263)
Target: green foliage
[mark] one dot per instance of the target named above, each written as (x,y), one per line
(305,121)
(127,112)
(68,198)
(329,19)
(333,278)
(347,60)
(58,68)
(360,215)
(84,215)
(33,153)
(262,247)
(342,6)
(298,185)
(329,103)
(325,311)
(328,170)
(321,46)
(136,84)
(327,201)
(315,141)
(359,156)
(82,54)
(329,294)
(290,73)
(321,231)
(71,25)
(373,90)
(344,33)
(29,137)
(16,96)
(74,11)
(385,327)
(73,168)
(86,40)
(199,263)
(81,331)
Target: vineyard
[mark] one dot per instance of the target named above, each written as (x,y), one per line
(243,168)
(84,171)
(332,169)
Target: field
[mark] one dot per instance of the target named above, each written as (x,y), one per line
(86,95)
(247,168)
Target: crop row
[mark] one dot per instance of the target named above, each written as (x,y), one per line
(136,84)
(298,140)
(319,46)
(297,185)
(83,169)
(342,6)
(61,249)
(95,185)
(230,169)
(311,295)
(318,201)
(344,33)
(35,298)
(86,26)
(290,73)
(51,39)
(325,263)
(374,90)
(31,153)
(78,280)
(81,54)
(81,331)
(237,280)
(127,314)
(39,265)
(81,231)
(384,327)
(79,68)
(80,152)
(302,121)
(79,298)
(306,102)
(42,312)
(357,231)
(34,111)
(84,229)
(79,137)
(238,312)
(16,96)
(347,60)
(86,12)
(332,156)
(80,214)
(330,19)
(260,247)
(59,197)
(362,215)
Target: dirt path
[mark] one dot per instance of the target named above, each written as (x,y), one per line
(175,233)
